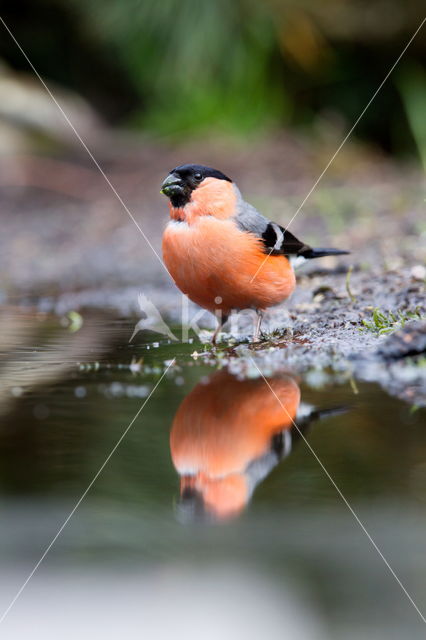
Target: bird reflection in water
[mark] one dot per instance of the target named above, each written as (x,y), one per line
(227,436)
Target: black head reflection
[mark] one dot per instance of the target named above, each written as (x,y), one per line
(191,507)
(227,436)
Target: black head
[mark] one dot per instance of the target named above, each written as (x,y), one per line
(180,182)
(191,509)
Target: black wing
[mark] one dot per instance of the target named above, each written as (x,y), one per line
(279,241)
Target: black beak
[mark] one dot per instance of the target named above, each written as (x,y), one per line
(172,185)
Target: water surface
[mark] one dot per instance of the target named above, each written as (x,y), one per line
(212,489)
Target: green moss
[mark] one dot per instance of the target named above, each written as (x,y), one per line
(383,322)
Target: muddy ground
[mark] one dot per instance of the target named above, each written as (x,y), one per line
(68,244)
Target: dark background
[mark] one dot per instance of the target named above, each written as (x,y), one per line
(242,67)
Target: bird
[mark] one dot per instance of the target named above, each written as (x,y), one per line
(227,436)
(223,253)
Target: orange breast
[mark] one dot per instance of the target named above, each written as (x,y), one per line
(213,262)
(223,425)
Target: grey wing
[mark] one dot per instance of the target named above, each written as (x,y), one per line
(276,240)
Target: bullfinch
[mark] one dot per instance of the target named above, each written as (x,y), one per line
(221,252)
(227,436)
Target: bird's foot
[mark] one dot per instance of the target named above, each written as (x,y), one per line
(215,337)
(288,332)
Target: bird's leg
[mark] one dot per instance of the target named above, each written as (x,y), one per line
(222,320)
(256,334)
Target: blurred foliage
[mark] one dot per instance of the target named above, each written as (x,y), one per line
(412,85)
(198,64)
(237,66)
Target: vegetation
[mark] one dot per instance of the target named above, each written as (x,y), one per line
(179,68)
(412,85)
(383,322)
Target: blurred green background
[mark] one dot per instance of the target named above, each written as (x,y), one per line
(239,67)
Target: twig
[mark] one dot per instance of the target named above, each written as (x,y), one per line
(348,284)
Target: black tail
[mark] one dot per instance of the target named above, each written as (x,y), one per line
(307,421)
(310,253)
(319,414)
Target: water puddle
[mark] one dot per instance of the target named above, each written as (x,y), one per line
(215,467)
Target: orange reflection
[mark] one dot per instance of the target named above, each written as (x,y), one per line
(226,437)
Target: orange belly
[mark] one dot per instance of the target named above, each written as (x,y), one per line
(226,423)
(214,264)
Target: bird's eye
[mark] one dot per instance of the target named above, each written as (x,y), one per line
(198,176)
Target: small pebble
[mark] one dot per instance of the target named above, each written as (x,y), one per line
(418,272)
